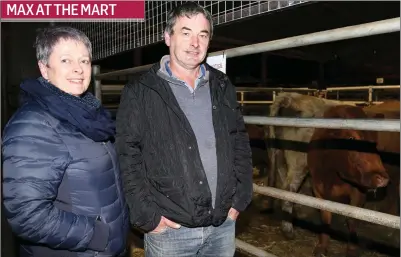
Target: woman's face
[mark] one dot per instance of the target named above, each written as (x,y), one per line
(68,67)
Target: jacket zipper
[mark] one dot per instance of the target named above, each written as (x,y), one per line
(117,185)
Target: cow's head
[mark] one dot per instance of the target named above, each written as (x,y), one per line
(351,153)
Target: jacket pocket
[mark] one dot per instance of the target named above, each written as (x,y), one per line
(100,236)
(173,189)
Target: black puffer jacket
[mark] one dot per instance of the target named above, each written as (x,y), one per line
(159,158)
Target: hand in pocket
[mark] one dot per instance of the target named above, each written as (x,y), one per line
(164,224)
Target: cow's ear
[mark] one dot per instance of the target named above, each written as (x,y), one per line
(378,116)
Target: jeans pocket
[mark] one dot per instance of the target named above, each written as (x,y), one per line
(230,219)
(164,230)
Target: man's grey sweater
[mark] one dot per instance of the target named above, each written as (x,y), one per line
(197,106)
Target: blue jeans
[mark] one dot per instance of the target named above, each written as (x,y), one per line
(190,242)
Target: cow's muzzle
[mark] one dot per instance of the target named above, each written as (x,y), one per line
(379,179)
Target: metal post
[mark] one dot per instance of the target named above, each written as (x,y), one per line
(370,95)
(97,82)
(263,69)
(242,99)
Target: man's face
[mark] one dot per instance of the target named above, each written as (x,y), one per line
(190,40)
(68,67)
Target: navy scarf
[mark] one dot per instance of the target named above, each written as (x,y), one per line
(85,112)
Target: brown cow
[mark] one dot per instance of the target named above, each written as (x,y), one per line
(286,146)
(343,165)
(388,144)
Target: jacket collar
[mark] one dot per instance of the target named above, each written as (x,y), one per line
(151,80)
(216,78)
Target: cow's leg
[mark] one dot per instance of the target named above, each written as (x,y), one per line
(357,199)
(293,184)
(321,248)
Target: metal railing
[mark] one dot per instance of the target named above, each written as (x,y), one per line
(109,90)
(370,88)
(363,30)
(349,32)
(357,124)
(375,217)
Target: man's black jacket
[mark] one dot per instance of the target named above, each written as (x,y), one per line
(159,159)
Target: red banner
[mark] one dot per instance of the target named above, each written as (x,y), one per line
(58,10)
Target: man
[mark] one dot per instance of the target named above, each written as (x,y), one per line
(184,151)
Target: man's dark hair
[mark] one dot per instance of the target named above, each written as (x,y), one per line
(188,9)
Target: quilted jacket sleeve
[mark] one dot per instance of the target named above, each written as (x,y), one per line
(242,159)
(129,126)
(34,161)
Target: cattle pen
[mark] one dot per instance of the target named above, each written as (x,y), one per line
(363,30)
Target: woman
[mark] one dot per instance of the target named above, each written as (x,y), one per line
(61,179)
